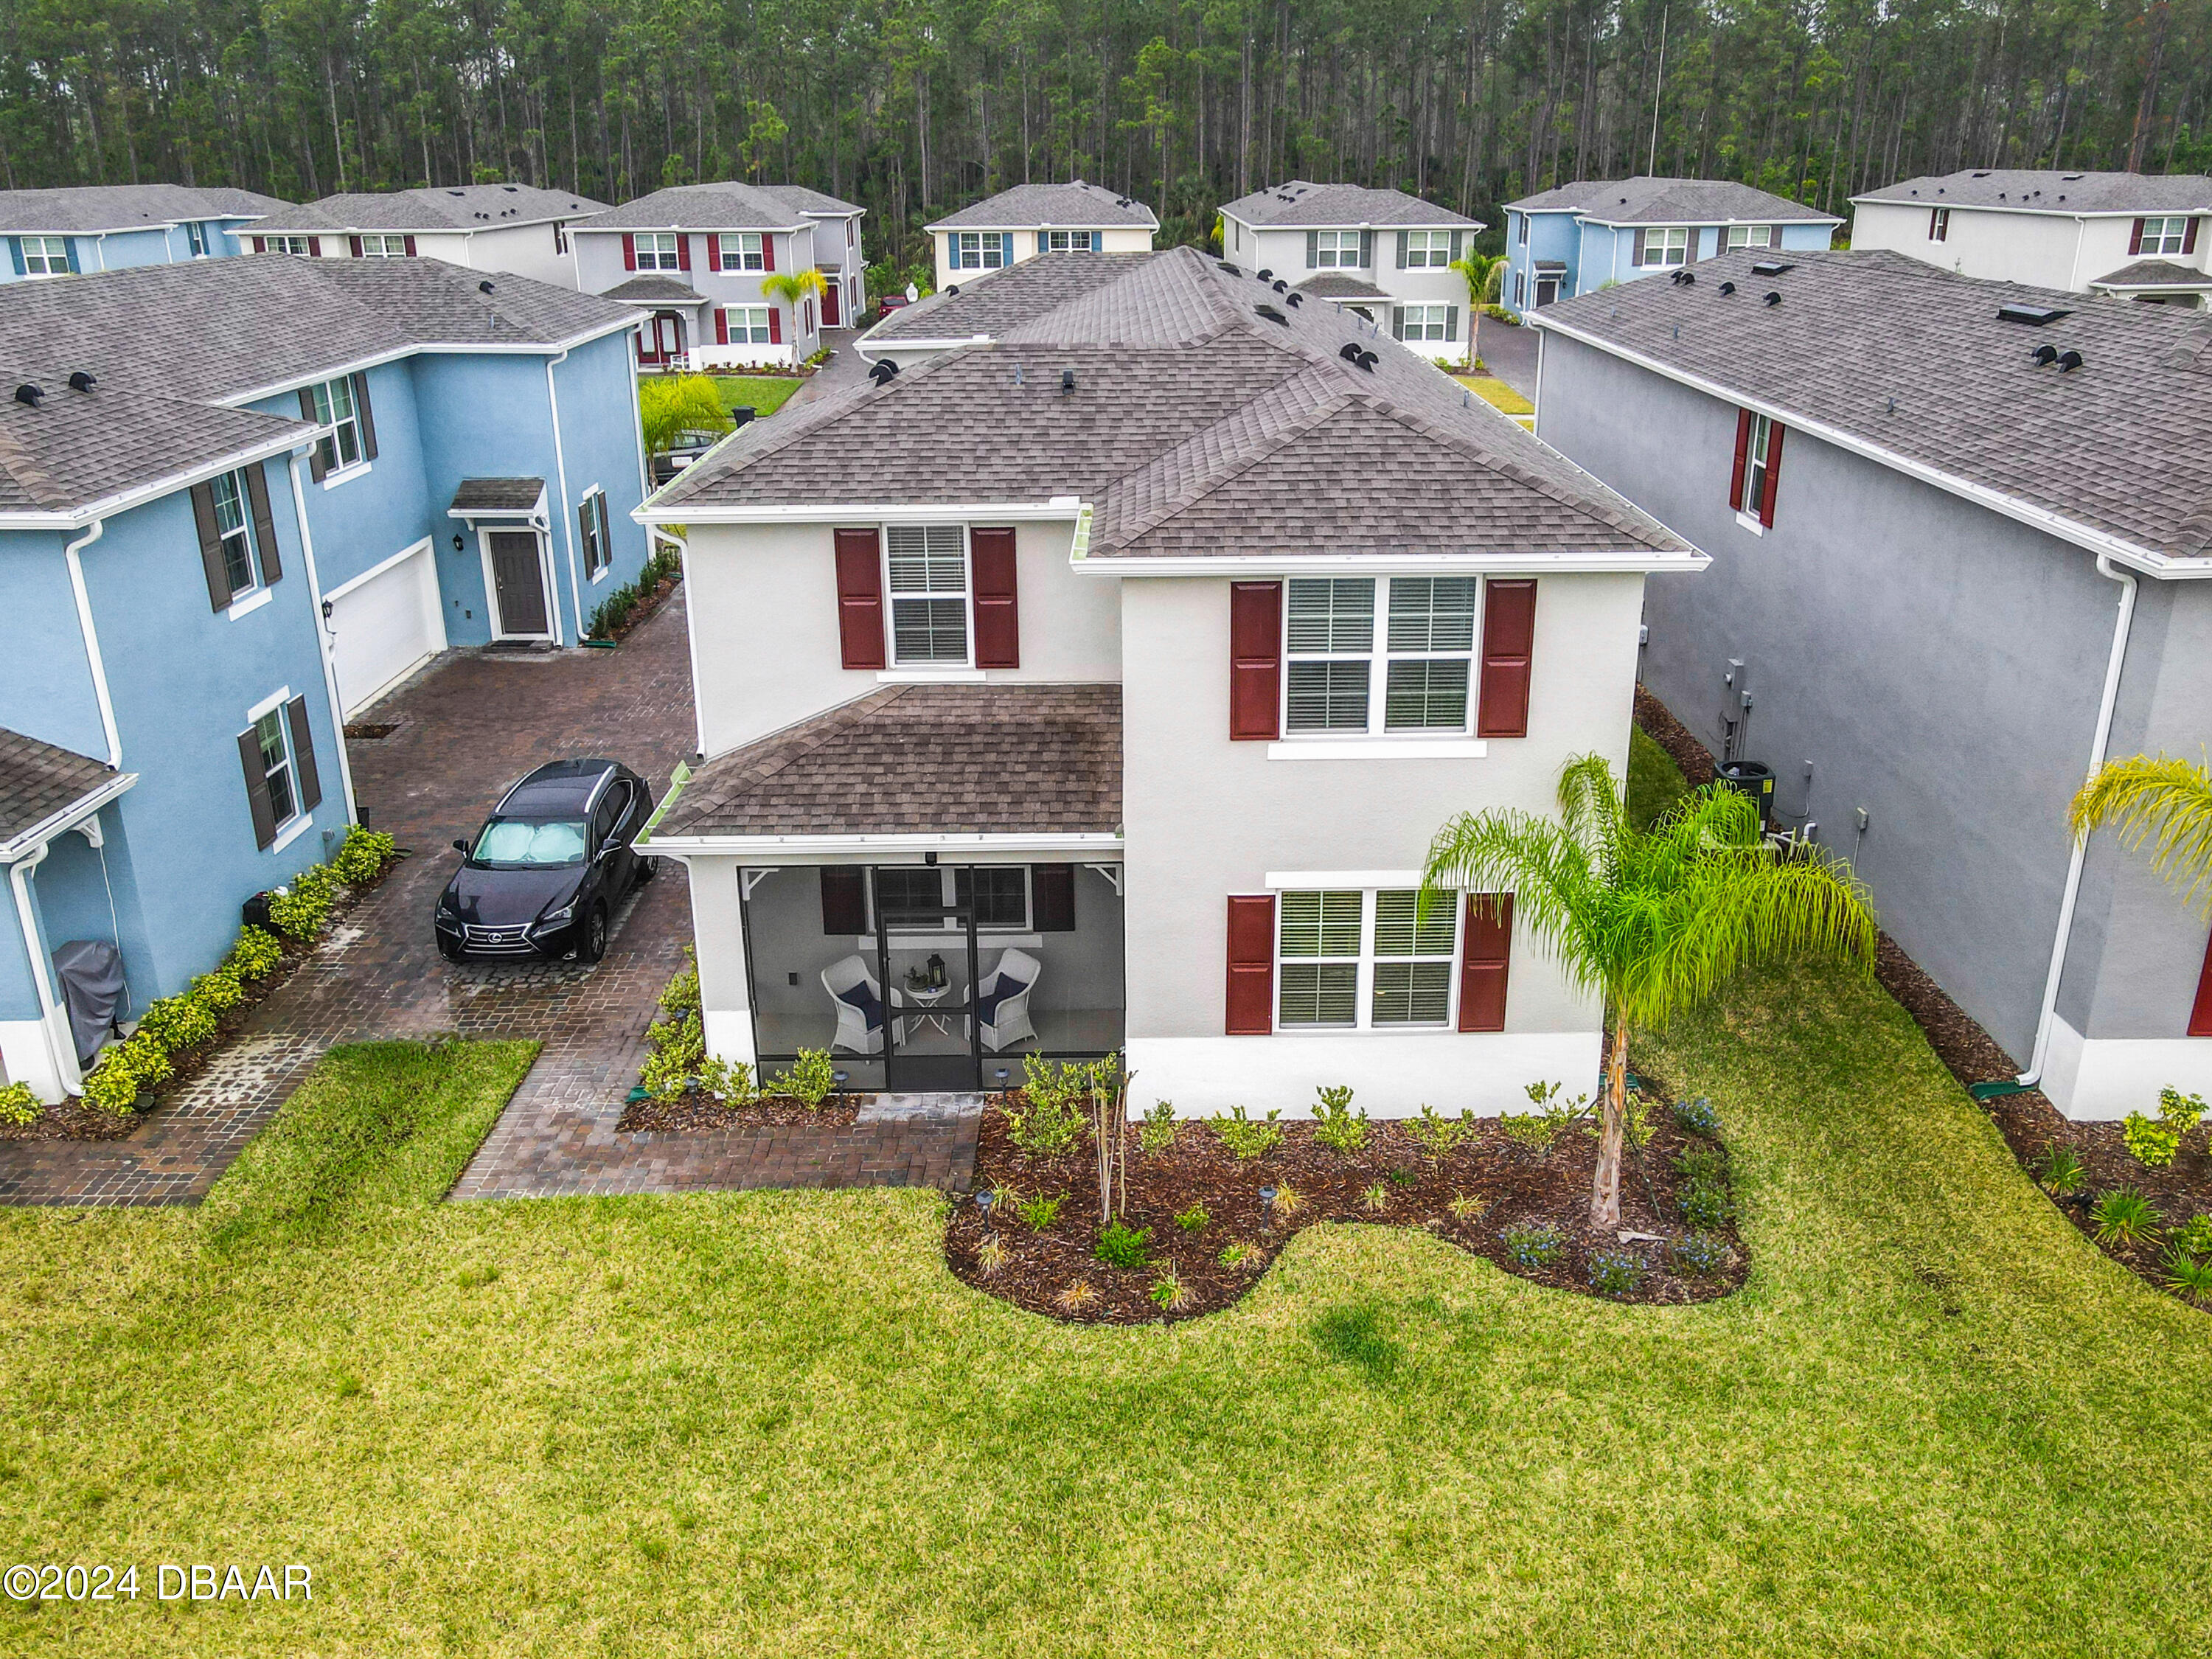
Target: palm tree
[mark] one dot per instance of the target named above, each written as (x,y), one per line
(1653,920)
(1485,279)
(2161,800)
(791,287)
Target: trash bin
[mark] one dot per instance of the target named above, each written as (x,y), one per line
(91,975)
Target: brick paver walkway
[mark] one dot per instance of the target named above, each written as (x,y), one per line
(465,729)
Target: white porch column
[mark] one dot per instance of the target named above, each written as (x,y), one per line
(725,997)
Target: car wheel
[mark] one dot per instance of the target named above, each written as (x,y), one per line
(592,943)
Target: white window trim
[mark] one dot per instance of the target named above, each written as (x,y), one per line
(606,550)
(344,475)
(1334,746)
(1755,466)
(1024,933)
(730,244)
(297,825)
(1376,742)
(1431,254)
(2155,245)
(1749,521)
(1364,979)
(730,325)
(965,669)
(674,254)
(250,601)
(243,602)
(1663,246)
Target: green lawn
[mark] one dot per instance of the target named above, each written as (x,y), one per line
(1935,1422)
(1495,392)
(766,393)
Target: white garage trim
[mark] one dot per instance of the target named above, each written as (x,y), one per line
(401,637)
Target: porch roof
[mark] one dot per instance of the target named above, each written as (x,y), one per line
(496,496)
(40,780)
(953,759)
(651,287)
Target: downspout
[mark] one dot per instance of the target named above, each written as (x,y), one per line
(567,520)
(2033,1074)
(327,646)
(92,641)
(50,1015)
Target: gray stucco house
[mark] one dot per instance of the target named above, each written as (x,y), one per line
(1975,571)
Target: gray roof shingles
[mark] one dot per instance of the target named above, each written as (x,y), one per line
(1341,285)
(923,759)
(2034,191)
(1193,425)
(2154,273)
(726,205)
(1302,203)
(38,779)
(1914,359)
(649,287)
(440,208)
(83,209)
(1648,201)
(497,494)
(1070,206)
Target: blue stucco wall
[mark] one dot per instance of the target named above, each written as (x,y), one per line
(1595,254)
(47,692)
(365,517)
(153,246)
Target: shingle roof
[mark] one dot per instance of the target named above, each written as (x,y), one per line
(1340,285)
(1070,206)
(2025,190)
(993,303)
(440,207)
(497,494)
(649,287)
(38,779)
(84,209)
(915,759)
(1302,203)
(1914,359)
(1194,426)
(169,343)
(2155,273)
(810,201)
(1647,201)
(727,205)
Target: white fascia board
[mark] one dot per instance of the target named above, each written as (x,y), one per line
(707,229)
(2039,212)
(1827,219)
(474,348)
(56,824)
(1104,848)
(887,346)
(2162,565)
(1063,511)
(107,506)
(1364,564)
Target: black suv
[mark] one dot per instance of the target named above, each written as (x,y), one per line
(549,865)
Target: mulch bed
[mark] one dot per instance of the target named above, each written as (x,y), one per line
(73,1120)
(694,1112)
(646,605)
(1516,1187)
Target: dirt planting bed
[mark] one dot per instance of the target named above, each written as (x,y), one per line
(1472,1196)
(693,1112)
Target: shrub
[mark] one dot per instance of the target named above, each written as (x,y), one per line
(2194,1235)
(2124,1216)
(1705,1206)
(2152,1144)
(670,404)
(180,1022)
(1438,1135)
(218,989)
(1699,1255)
(299,908)
(1195,1220)
(1039,1212)
(1696,1116)
(2058,1170)
(1169,1293)
(730,1081)
(1525,1129)
(1635,1121)
(1706,1164)
(1054,1118)
(1120,1246)
(1246,1137)
(1156,1132)
(256,956)
(1376,1199)
(1401,1178)
(1540,1130)
(18,1105)
(680,997)
(1335,1125)
(125,1071)
(807,1079)
(2182,1113)
(679,1049)
(1537,1246)
(362,856)
(2189,1277)
(1615,1273)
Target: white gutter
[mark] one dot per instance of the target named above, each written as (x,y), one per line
(2162,565)
(1373,564)
(887,346)
(59,823)
(93,658)
(1065,508)
(324,638)
(138,495)
(840,847)
(561,476)
(2039,212)
(2113,665)
(52,1017)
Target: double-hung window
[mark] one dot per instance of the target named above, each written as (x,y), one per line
(383,247)
(1751,236)
(978,250)
(1340,250)
(45,255)
(739,250)
(1939,224)
(1424,647)
(748,324)
(656,250)
(1520,228)
(196,238)
(2165,235)
(915,898)
(1352,960)
(1758,461)
(592,525)
(1666,244)
(1425,250)
(340,445)
(928,567)
(1070,241)
(286,245)
(234,530)
(278,770)
(1424,322)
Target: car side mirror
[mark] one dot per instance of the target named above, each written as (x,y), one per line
(461,847)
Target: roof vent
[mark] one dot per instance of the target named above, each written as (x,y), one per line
(1124,201)
(1681,279)
(1068,380)
(2044,355)
(1773,297)
(883,370)
(1727,288)
(1265,274)
(2069,362)
(1273,315)
(509,189)
(1983,174)
(456,192)
(1772,268)
(1280,286)
(484,286)
(2072,178)
(82,382)
(1234,271)
(2035,316)
(28,395)
(1349,351)
(1293,299)
(1368,359)
(952,291)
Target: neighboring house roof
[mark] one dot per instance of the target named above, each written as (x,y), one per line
(1340,285)
(440,207)
(1195,425)
(86,210)
(653,287)
(727,205)
(923,759)
(812,201)
(2027,191)
(1301,203)
(39,779)
(171,345)
(1075,206)
(1646,201)
(497,495)
(2155,273)
(1913,361)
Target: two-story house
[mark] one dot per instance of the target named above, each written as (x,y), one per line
(1961,536)
(1578,238)
(2123,235)
(83,227)
(238,499)
(1098,685)
(518,228)
(1028,219)
(1382,253)
(698,263)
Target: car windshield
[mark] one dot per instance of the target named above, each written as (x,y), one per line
(515,842)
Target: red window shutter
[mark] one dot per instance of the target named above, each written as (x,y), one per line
(998,608)
(411,247)
(1255,661)
(859,598)
(2200,1017)
(353,245)
(2189,238)
(261,245)
(767,251)
(1742,457)
(844,899)
(683,251)
(1773,472)
(1485,954)
(314,247)
(721,326)
(629,251)
(1508,644)
(2134,238)
(1251,1004)
(774,326)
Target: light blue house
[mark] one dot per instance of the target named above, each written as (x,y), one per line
(1577,238)
(238,500)
(90,228)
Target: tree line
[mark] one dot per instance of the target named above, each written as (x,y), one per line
(913,106)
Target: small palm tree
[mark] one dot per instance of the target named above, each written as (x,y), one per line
(793,286)
(1653,920)
(2161,800)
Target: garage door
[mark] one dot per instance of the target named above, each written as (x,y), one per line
(384,624)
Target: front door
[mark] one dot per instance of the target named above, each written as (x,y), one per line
(926,961)
(660,338)
(1547,289)
(518,579)
(830,305)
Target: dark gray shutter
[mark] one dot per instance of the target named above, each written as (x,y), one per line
(1459,239)
(315,467)
(1397,322)
(1044,241)
(1451,322)
(1402,250)
(1052,897)
(1313,250)
(1367,250)
(69,243)
(218,578)
(303,754)
(844,899)
(367,420)
(265,526)
(583,532)
(15,248)
(606,534)
(256,789)
(1636,255)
